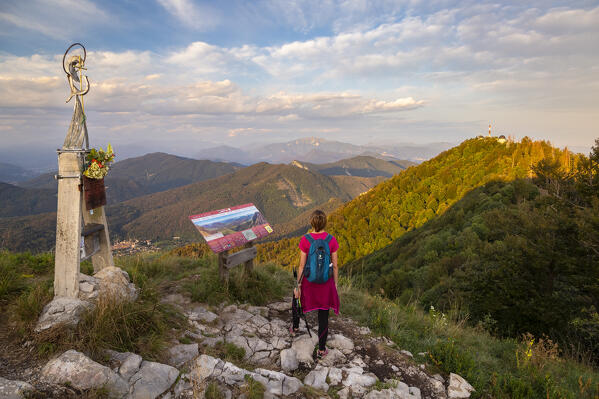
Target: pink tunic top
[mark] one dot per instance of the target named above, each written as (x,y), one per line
(319,296)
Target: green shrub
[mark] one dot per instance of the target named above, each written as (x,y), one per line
(142,327)
(252,388)
(449,358)
(264,284)
(18,270)
(213,392)
(233,353)
(30,303)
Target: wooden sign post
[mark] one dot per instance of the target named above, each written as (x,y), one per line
(228,261)
(80,234)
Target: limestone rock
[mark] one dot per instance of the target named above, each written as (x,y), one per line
(181,354)
(114,282)
(335,376)
(130,366)
(258,310)
(82,373)
(212,341)
(415,392)
(233,317)
(14,389)
(280,306)
(344,393)
(359,382)
(304,348)
(152,380)
(276,383)
(334,357)
(199,313)
(458,387)
(384,394)
(342,343)
(289,360)
(364,330)
(407,353)
(317,378)
(61,310)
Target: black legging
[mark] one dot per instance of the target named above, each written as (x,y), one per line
(323,323)
(323,328)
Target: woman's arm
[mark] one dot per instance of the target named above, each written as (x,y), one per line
(335,268)
(302,263)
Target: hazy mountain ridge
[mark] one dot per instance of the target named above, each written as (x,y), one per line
(10,173)
(18,201)
(362,166)
(144,175)
(318,150)
(282,192)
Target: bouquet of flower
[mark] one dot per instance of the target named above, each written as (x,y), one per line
(98,162)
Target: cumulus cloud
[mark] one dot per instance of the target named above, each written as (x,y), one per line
(377,62)
(123,85)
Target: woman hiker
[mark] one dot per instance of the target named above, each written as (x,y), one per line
(318,276)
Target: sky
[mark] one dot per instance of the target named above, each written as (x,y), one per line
(181,76)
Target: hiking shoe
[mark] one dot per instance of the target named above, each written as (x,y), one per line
(293,331)
(320,354)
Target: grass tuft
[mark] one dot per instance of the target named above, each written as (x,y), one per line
(252,388)
(266,283)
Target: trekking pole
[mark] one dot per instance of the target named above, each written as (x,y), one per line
(299,301)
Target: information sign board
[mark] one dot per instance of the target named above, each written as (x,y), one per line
(228,228)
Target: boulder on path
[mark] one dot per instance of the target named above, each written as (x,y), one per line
(317,378)
(280,306)
(344,344)
(152,380)
(289,360)
(79,371)
(201,314)
(276,383)
(181,354)
(304,348)
(114,282)
(458,387)
(14,389)
(333,358)
(61,310)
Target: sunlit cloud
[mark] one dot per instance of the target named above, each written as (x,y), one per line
(359,69)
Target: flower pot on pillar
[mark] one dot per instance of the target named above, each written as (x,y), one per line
(94,193)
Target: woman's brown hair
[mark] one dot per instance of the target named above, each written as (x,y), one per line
(318,220)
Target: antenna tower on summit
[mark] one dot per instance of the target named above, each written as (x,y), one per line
(489,130)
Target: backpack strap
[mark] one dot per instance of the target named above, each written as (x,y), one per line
(328,239)
(309,238)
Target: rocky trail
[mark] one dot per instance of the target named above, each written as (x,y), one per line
(359,364)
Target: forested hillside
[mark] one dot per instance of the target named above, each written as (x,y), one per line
(408,200)
(282,192)
(515,255)
(364,166)
(147,174)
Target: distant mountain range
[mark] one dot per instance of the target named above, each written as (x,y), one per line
(317,150)
(144,175)
(12,173)
(151,196)
(362,166)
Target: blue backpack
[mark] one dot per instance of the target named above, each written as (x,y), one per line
(316,269)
